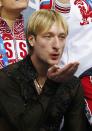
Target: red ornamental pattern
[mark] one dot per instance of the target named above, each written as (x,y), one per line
(14,41)
(85,10)
(19,30)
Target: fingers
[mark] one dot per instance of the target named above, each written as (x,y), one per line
(73,68)
(53,72)
(59,74)
(70,68)
(53,69)
(67,69)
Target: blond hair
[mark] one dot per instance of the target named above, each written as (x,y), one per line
(42,20)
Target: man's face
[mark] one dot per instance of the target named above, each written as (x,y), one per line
(11,5)
(48,46)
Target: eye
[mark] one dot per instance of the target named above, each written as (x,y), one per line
(47,36)
(62,37)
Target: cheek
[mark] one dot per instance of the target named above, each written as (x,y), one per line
(62,48)
(42,46)
(62,45)
(40,49)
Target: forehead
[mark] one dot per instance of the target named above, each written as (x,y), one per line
(55,29)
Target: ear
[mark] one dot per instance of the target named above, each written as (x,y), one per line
(31,40)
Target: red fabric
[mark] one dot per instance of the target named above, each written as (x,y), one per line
(14,41)
(46,6)
(87,86)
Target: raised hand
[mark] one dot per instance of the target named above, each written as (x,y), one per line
(61,74)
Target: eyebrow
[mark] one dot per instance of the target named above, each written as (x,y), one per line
(51,33)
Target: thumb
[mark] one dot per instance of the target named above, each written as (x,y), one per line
(53,68)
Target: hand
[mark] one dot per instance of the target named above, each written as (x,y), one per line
(59,74)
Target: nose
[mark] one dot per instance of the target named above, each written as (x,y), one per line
(56,43)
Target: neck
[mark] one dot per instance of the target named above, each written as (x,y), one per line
(41,69)
(9,17)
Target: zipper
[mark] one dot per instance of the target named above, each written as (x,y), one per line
(15,46)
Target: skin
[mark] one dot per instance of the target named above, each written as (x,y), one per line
(61,74)
(47,49)
(46,45)
(10,10)
(13,5)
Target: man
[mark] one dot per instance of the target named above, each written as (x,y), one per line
(29,101)
(78,48)
(79,16)
(67,70)
(13,47)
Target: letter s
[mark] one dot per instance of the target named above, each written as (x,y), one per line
(10,52)
(23,53)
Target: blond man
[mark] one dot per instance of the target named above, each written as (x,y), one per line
(29,100)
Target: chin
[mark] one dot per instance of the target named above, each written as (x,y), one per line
(19,9)
(22,5)
(54,63)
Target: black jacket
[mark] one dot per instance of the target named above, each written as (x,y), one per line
(22,109)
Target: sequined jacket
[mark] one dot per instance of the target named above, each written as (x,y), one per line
(22,109)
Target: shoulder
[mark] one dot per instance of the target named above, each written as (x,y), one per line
(71,87)
(15,74)
(73,82)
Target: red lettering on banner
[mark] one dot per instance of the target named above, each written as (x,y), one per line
(22,47)
(10,52)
